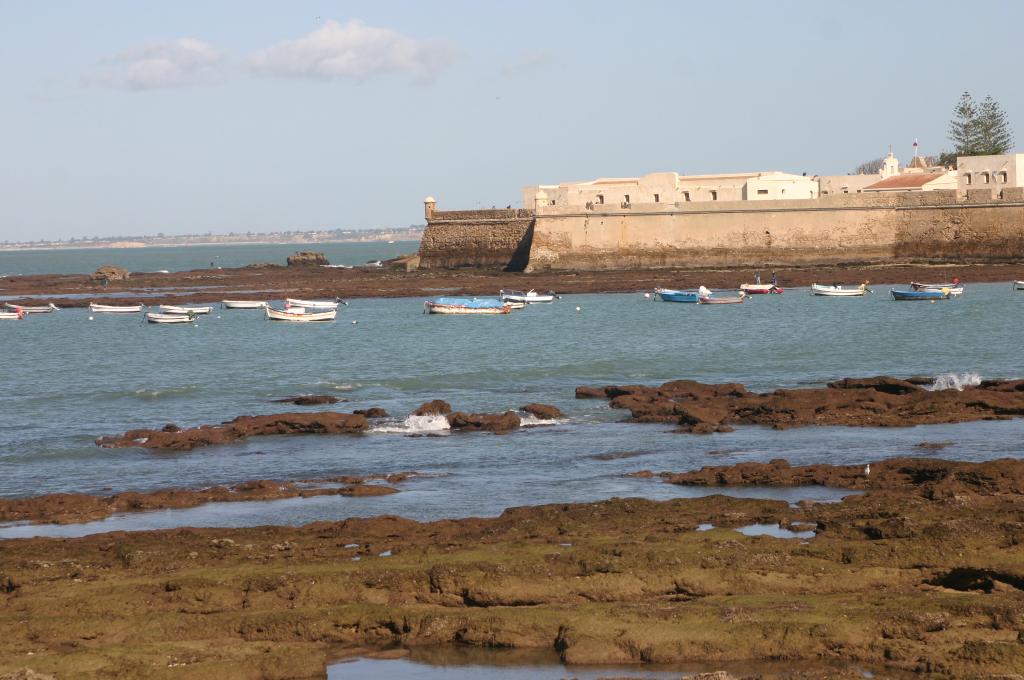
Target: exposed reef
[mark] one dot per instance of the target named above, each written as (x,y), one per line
(878,402)
(898,579)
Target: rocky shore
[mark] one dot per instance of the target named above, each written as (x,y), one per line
(267,282)
(920,574)
(882,401)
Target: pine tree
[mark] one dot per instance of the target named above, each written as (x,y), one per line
(994,134)
(963,129)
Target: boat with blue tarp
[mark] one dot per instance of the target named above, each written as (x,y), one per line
(458,305)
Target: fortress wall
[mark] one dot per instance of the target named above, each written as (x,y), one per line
(477,238)
(832,229)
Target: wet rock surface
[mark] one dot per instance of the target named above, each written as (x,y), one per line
(70,508)
(543,411)
(489,422)
(308,400)
(437,407)
(372,412)
(877,402)
(242,427)
(897,579)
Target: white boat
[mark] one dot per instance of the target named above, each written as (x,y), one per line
(454,305)
(1018,285)
(32,310)
(955,287)
(175,309)
(529,297)
(315,304)
(13,316)
(153,317)
(839,291)
(515,305)
(243,304)
(299,314)
(759,288)
(722,300)
(114,309)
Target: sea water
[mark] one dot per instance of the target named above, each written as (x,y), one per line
(68,379)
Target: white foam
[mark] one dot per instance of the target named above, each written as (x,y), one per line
(955,381)
(530,420)
(416,425)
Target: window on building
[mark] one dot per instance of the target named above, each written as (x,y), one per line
(762,192)
(657,198)
(626,198)
(600,198)
(983,177)
(686,196)
(714,195)
(1003,177)
(967,178)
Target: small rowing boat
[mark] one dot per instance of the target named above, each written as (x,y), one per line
(920,294)
(299,314)
(454,305)
(710,299)
(174,309)
(314,304)
(114,309)
(671,295)
(530,297)
(153,317)
(18,315)
(760,288)
(955,287)
(243,304)
(46,309)
(839,291)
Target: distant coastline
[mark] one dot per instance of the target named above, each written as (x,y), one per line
(306,239)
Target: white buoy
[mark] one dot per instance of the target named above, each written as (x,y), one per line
(354,322)
(90,318)
(578,308)
(647,296)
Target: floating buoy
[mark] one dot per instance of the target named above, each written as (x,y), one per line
(354,322)
(578,308)
(647,296)
(90,318)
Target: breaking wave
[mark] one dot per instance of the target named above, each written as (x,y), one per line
(955,381)
(530,420)
(415,425)
(149,394)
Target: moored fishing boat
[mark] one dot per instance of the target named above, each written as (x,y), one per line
(17,315)
(760,288)
(243,304)
(175,309)
(315,304)
(836,290)
(299,314)
(153,317)
(454,305)
(44,309)
(920,294)
(710,299)
(114,309)
(955,287)
(1018,285)
(530,297)
(672,295)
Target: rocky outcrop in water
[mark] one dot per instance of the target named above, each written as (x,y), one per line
(308,400)
(307,258)
(878,402)
(437,407)
(543,411)
(488,422)
(108,273)
(242,427)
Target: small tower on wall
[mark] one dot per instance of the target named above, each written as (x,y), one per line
(429,204)
(540,200)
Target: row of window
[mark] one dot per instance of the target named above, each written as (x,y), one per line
(984,177)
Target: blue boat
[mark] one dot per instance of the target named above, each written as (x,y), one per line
(920,294)
(669,295)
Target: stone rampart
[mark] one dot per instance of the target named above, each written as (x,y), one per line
(497,238)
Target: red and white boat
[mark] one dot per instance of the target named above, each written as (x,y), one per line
(17,315)
(760,288)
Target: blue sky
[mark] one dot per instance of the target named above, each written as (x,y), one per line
(124,118)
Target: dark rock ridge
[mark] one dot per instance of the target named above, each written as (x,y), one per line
(68,508)
(242,427)
(878,402)
(933,479)
(489,422)
(372,412)
(543,411)
(308,400)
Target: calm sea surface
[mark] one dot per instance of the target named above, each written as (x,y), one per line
(67,379)
(183,258)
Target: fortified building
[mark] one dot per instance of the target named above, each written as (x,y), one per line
(664,219)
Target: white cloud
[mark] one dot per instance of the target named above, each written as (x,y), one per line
(528,62)
(354,50)
(160,65)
